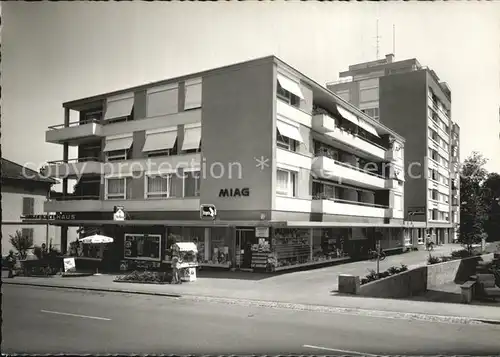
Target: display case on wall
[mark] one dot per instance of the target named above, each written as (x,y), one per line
(219,252)
(291,246)
(262,255)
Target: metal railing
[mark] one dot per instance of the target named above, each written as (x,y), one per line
(75,160)
(74,198)
(74,123)
(340,200)
(319,153)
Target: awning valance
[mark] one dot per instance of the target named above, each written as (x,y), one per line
(289,130)
(160,140)
(347,115)
(290,85)
(118,144)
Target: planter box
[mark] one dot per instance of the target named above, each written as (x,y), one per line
(141,282)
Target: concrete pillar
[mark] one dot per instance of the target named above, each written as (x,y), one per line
(349,284)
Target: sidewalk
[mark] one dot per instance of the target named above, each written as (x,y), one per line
(300,293)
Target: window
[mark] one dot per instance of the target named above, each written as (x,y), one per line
(368,95)
(119,188)
(145,246)
(285,183)
(157,186)
(287,96)
(117,155)
(163,186)
(28,206)
(372,112)
(285,142)
(27,232)
(192,184)
(344,94)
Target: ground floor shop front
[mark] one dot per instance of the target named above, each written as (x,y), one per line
(246,246)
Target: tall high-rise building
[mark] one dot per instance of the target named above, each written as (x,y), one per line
(413,101)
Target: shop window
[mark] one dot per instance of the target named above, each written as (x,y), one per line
(329,243)
(192,184)
(290,247)
(285,183)
(142,246)
(119,188)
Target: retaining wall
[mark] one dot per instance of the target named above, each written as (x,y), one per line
(419,280)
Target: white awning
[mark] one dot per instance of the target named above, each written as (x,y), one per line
(119,106)
(347,115)
(96,239)
(193,92)
(291,86)
(288,130)
(186,247)
(160,140)
(192,137)
(368,127)
(118,144)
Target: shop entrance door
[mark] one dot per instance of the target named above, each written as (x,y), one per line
(245,237)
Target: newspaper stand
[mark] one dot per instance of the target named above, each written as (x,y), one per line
(188,253)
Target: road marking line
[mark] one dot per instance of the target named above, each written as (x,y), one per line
(337,350)
(74,315)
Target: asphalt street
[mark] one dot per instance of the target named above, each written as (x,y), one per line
(42,320)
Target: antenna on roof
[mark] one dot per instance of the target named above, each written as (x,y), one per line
(377,39)
(394,40)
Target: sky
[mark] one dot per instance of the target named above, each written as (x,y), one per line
(59,51)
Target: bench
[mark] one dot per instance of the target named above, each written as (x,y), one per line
(467,291)
(487,288)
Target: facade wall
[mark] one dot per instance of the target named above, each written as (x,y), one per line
(403,107)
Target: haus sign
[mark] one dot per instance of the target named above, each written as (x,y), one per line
(234,192)
(50,217)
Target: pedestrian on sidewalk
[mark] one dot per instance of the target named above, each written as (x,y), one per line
(11,263)
(176,264)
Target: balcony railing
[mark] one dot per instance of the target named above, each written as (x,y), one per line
(74,123)
(320,153)
(340,200)
(74,198)
(75,160)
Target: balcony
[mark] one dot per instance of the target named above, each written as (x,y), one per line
(349,208)
(75,133)
(330,169)
(74,168)
(323,123)
(357,143)
(73,204)
(95,204)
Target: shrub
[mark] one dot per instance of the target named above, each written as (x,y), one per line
(393,270)
(145,277)
(445,258)
(37,251)
(433,260)
(21,244)
(364,281)
(403,268)
(459,254)
(372,276)
(384,274)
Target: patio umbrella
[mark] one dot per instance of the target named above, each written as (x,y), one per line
(96,239)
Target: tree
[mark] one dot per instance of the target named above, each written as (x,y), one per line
(491,188)
(21,243)
(473,213)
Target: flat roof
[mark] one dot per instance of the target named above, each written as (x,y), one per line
(78,103)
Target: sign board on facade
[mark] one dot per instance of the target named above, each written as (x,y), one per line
(69,265)
(37,217)
(234,192)
(119,213)
(208,212)
(262,232)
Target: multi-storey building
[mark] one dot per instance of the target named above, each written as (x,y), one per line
(413,101)
(285,162)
